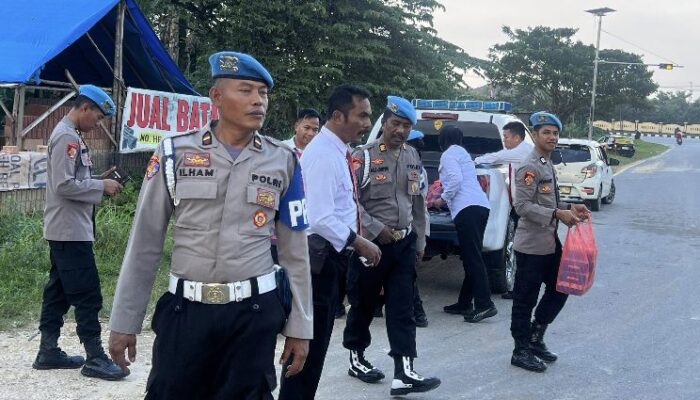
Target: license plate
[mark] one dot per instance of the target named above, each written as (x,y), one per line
(625,148)
(564,190)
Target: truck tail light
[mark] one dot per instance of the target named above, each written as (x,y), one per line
(590,170)
(485,182)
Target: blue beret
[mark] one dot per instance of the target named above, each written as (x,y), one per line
(415,135)
(545,118)
(402,108)
(228,64)
(100,97)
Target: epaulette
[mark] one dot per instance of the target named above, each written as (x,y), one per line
(274,141)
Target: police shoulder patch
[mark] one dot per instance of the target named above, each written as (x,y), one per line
(529,177)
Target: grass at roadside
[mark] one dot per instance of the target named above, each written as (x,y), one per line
(24,258)
(643,151)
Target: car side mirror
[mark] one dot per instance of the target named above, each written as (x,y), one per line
(613,162)
(556,157)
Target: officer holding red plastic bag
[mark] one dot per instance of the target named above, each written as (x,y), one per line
(537,247)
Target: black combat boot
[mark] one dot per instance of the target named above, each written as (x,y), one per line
(537,345)
(523,357)
(51,356)
(406,380)
(98,365)
(419,315)
(362,369)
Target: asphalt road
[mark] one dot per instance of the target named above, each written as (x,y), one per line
(634,335)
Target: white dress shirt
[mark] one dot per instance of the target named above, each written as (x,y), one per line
(292,145)
(461,188)
(514,157)
(330,204)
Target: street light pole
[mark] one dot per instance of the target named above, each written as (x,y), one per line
(599,12)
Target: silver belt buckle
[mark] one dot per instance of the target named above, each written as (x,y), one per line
(215,293)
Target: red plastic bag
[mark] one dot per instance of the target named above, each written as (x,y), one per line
(434,192)
(578,260)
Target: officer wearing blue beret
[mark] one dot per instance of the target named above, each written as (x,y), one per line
(226,187)
(393,215)
(71,195)
(537,246)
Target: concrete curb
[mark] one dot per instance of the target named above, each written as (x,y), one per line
(636,163)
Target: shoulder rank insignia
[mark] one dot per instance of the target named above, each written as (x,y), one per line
(529,178)
(257,142)
(206,139)
(382,147)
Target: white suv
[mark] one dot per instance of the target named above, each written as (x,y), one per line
(482,134)
(584,172)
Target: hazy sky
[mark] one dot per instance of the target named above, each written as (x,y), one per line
(668,30)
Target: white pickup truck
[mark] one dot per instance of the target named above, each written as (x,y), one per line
(482,124)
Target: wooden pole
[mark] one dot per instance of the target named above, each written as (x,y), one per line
(117,93)
(18,116)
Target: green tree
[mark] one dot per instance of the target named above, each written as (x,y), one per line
(552,71)
(390,47)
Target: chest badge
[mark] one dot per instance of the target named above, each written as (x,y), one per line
(153,167)
(265,198)
(545,189)
(437,124)
(543,160)
(414,175)
(197,159)
(377,161)
(414,187)
(259,218)
(382,147)
(529,178)
(380,177)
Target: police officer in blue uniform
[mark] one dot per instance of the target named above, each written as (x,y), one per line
(226,187)
(537,246)
(393,216)
(71,195)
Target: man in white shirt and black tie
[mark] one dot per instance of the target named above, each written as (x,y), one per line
(334,225)
(516,151)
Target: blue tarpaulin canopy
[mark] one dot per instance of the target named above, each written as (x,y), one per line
(40,39)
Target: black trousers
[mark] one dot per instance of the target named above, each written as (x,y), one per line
(470,224)
(532,272)
(396,273)
(73,281)
(215,351)
(325,264)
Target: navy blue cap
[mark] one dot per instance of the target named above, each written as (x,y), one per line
(99,97)
(545,118)
(232,65)
(415,135)
(402,108)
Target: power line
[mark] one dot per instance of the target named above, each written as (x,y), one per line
(639,47)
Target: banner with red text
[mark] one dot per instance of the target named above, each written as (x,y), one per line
(150,116)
